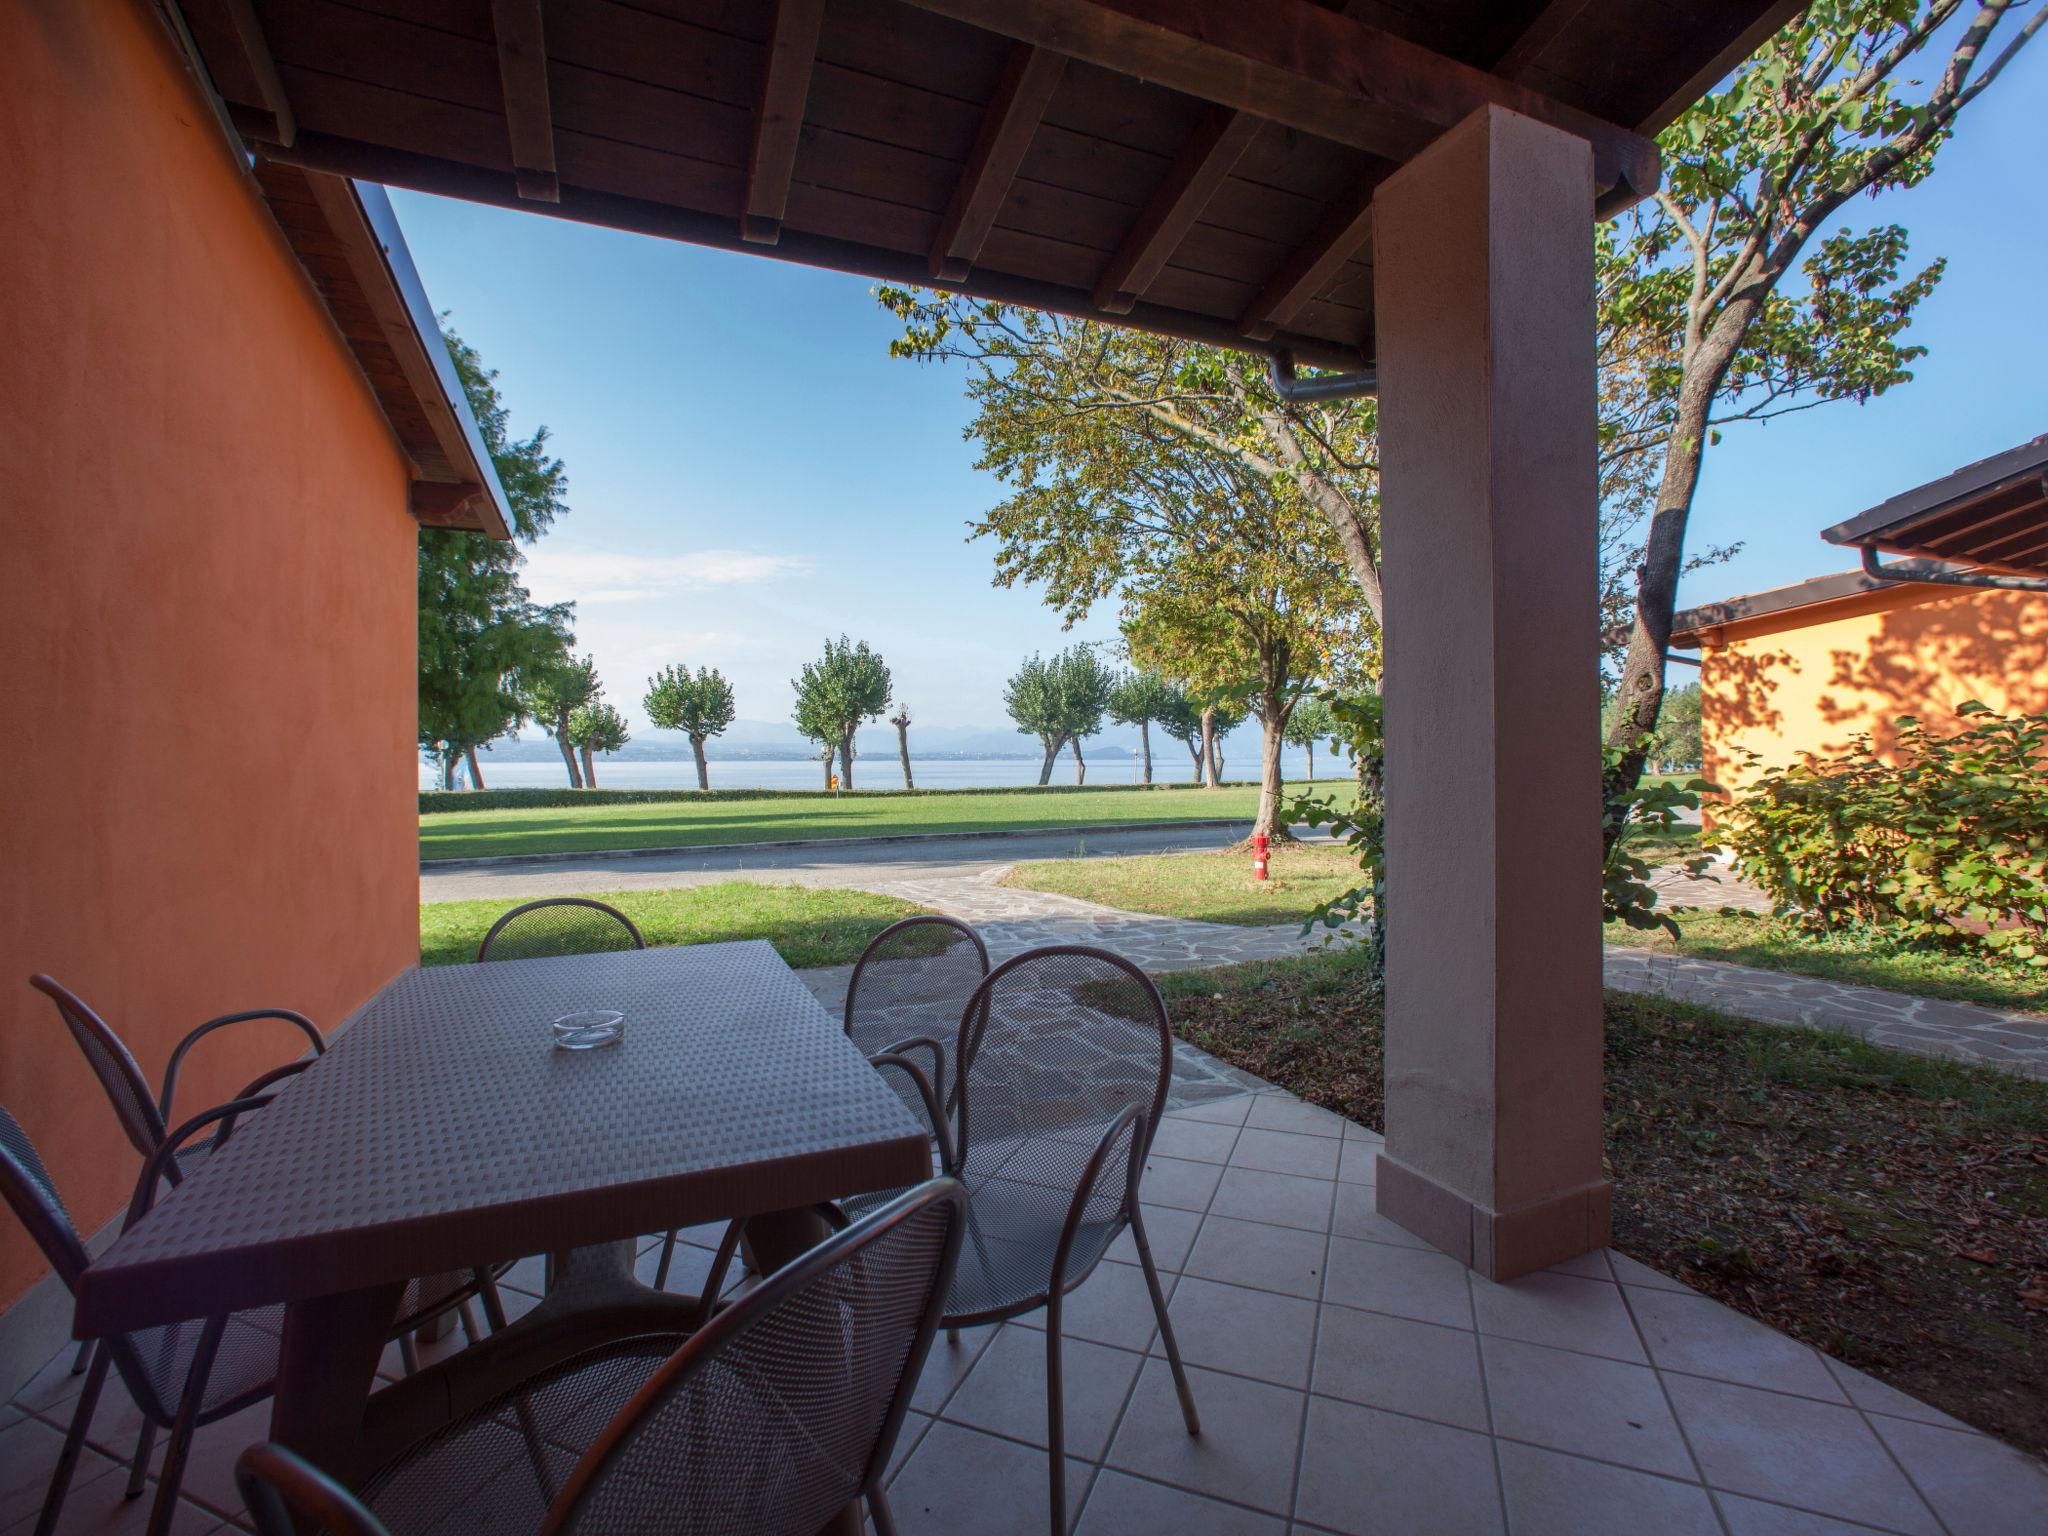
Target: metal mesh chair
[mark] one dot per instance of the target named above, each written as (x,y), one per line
(908,988)
(180,1376)
(1064,1057)
(559,925)
(778,1412)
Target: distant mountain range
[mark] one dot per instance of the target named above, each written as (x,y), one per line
(775,740)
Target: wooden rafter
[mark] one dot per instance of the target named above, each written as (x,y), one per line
(529,124)
(440,504)
(1030,76)
(1202,166)
(248,31)
(1552,19)
(1293,62)
(1308,271)
(779,117)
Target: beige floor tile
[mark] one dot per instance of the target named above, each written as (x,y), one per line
(1178,1182)
(1112,1306)
(1376,1474)
(1283,1259)
(1356,1216)
(1233,1328)
(961,1482)
(28,1455)
(1360,1163)
(1171,1232)
(1284,1112)
(1120,1505)
(1559,1310)
(1874,1396)
(1583,1405)
(1005,1392)
(1701,1337)
(1633,1272)
(1245,1453)
(1977,1485)
(1231,1111)
(1313,1157)
(1754,1517)
(1793,1450)
(1279,1199)
(948,1364)
(1402,1365)
(1200,1141)
(1407,1282)
(1554,1495)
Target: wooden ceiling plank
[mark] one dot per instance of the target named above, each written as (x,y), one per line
(1030,76)
(1196,174)
(1549,23)
(263,66)
(1295,63)
(1309,270)
(523,72)
(779,117)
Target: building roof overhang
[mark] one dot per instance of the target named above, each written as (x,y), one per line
(1199,168)
(1990,516)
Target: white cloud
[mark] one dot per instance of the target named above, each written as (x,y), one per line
(558,573)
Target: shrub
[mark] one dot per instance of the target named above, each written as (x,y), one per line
(559,797)
(1947,846)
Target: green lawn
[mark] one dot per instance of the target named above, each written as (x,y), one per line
(684,823)
(808,925)
(1216,887)
(1749,938)
(1887,1208)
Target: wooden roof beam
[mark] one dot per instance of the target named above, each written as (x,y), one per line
(529,122)
(1521,51)
(284,125)
(1295,63)
(1308,271)
(779,117)
(1030,76)
(1202,166)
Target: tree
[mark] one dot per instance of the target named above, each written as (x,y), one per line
(1695,281)
(1311,722)
(1139,698)
(554,693)
(699,704)
(1060,699)
(1181,719)
(847,685)
(596,728)
(481,637)
(901,720)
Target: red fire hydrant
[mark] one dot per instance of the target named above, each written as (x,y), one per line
(1259,843)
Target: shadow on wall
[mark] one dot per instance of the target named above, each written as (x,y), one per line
(1740,702)
(1935,656)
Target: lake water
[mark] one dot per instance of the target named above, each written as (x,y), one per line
(871,772)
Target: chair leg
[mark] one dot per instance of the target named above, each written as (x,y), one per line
(1180,1374)
(1056,1415)
(74,1442)
(409,1354)
(467,1318)
(668,1253)
(494,1304)
(179,1448)
(884,1517)
(83,1358)
(138,1464)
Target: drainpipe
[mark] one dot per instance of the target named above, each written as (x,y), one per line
(1942,576)
(1325,386)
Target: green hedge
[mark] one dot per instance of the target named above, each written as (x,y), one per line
(548,799)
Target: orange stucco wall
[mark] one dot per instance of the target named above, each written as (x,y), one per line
(1809,679)
(206,582)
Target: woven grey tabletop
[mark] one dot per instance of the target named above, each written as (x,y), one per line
(443,1130)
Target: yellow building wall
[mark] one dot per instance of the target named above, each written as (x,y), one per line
(1811,679)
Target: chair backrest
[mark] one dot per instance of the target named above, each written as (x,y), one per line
(913,979)
(559,925)
(28,1188)
(785,1406)
(112,1063)
(285,1494)
(1052,1047)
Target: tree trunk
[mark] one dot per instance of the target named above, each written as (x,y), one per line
(568,753)
(1080,768)
(589,770)
(1206,759)
(703,768)
(1194,746)
(448,761)
(846,760)
(1311,759)
(1273,712)
(830,753)
(1052,745)
(1145,743)
(476,774)
(903,751)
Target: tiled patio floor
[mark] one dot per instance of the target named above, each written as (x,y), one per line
(1349,1379)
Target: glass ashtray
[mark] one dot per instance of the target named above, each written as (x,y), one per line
(588,1030)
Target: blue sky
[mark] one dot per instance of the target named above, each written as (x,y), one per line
(750,471)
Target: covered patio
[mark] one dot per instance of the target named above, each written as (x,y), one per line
(1421,1331)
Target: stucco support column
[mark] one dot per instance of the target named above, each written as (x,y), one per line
(1483,289)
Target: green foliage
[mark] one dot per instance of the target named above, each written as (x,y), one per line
(1141,697)
(1060,699)
(1312,721)
(1676,742)
(1359,915)
(1943,843)
(482,640)
(436,801)
(1640,820)
(597,728)
(699,704)
(845,686)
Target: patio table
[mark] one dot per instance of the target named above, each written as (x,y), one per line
(442,1131)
